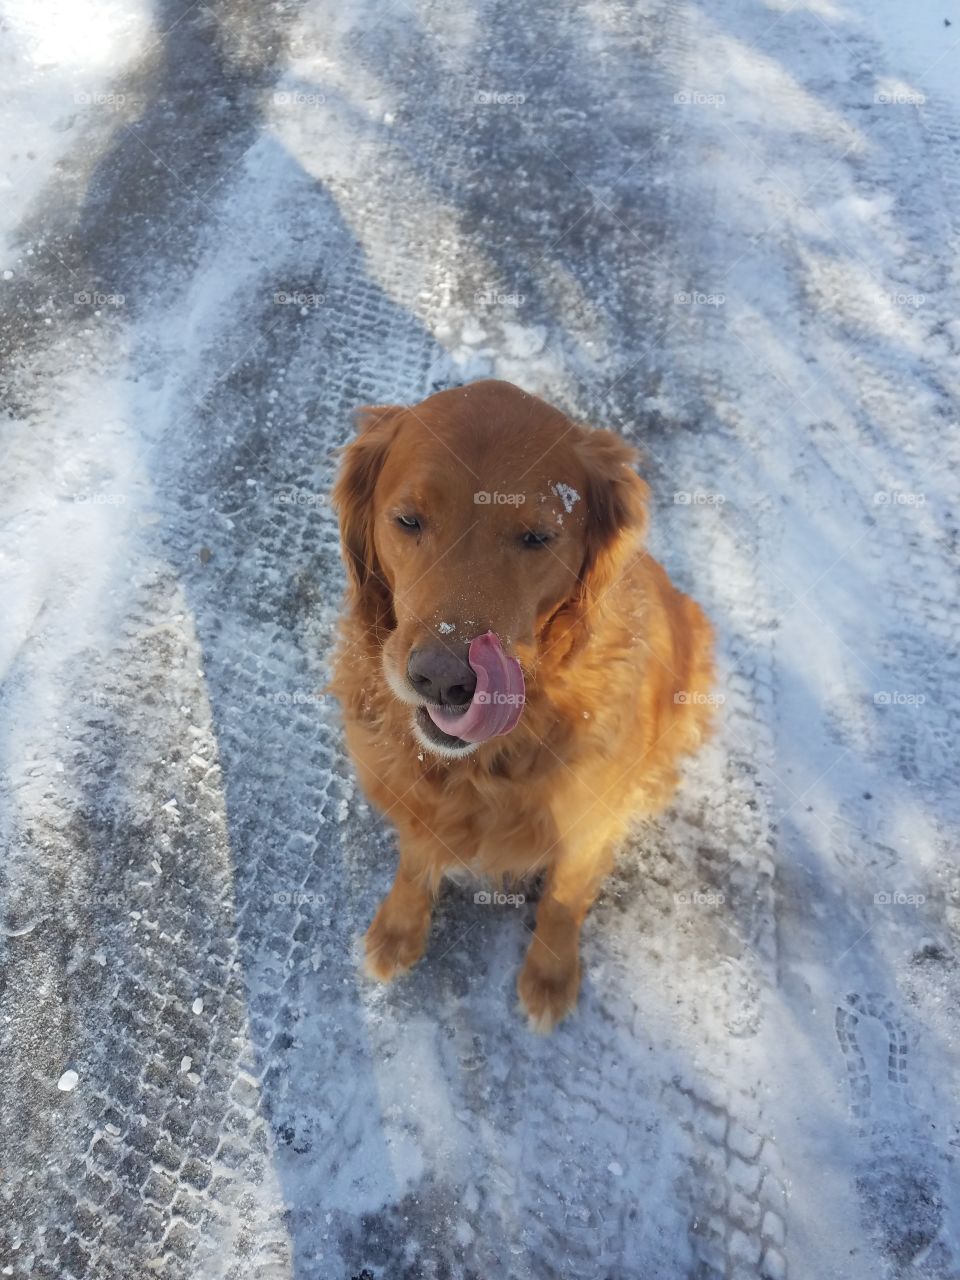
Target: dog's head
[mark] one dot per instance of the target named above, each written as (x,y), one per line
(480,510)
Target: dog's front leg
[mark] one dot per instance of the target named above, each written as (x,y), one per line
(550,978)
(397,936)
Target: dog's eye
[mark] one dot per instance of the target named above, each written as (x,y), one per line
(531,539)
(408,522)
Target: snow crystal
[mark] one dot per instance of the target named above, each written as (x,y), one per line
(567,495)
(68,1081)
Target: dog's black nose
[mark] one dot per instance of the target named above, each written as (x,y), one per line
(442,675)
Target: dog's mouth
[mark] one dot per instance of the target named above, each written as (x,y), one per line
(498,696)
(435,735)
(494,708)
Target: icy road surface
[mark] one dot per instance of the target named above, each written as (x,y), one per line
(729,229)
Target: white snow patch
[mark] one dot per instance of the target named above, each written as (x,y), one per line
(88,34)
(523,341)
(920,48)
(567,495)
(60,60)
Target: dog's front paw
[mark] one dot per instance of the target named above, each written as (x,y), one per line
(548,993)
(392,949)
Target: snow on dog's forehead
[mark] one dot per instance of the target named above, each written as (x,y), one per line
(492,439)
(567,495)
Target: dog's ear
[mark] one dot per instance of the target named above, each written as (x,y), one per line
(616,508)
(361,463)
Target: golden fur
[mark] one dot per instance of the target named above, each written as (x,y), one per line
(617,662)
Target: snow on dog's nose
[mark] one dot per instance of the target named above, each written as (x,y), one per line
(497,701)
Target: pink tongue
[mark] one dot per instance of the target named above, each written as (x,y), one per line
(497,700)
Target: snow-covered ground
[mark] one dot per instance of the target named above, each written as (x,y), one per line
(728,228)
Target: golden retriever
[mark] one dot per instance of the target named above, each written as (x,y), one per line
(518,677)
